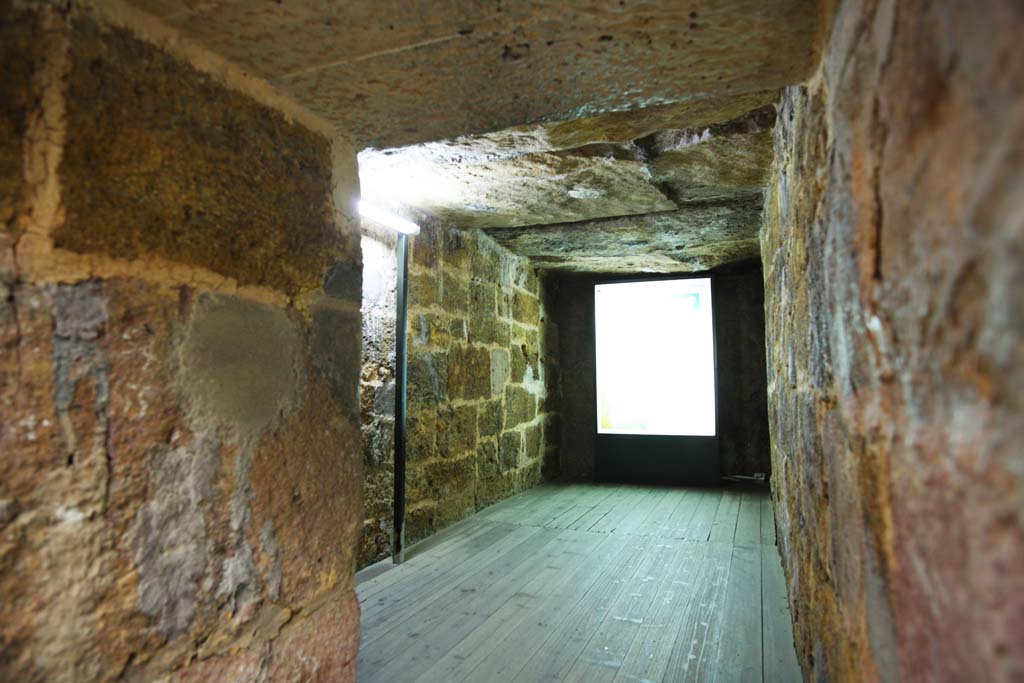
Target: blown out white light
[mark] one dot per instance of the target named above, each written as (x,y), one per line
(379,215)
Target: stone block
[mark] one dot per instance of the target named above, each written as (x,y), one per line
(320,647)
(499,370)
(487,460)
(427,379)
(205,177)
(525,363)
(378,442)
(444,481)
(532,443)
(489,330)
(420,433)
(426,247)
(420,522)
(456,430)
(457,250)
(458,330)
(428,329)
(241,362)
(491,418)
(482,295)
(510,446)
(455,297)
(336,349)
(520,406)
(525,309)
(486,264)
(424,289)
(469,372)
(20,53)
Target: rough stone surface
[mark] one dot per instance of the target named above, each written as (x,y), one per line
(696,238)
(677,200)
(143,127)
(180,486)
(392,74)
(19,56)
(473,190)
(478,381)
(721,161)
(893,262)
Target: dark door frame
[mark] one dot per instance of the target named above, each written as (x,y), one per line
(659,459)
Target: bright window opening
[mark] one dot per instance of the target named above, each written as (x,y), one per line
(655,358)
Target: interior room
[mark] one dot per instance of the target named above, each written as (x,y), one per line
(506,340)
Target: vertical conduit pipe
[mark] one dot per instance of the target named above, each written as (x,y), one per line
(401,371)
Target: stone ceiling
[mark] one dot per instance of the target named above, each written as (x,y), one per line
(397,72)
(593,135)
(684,198)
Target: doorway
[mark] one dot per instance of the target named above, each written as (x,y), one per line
(656,397)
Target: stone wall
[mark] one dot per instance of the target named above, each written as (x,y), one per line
(894,253)
(377,392)
(739,330)
(179,290)
(482,408)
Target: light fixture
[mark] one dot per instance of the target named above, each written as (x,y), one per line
(390,220)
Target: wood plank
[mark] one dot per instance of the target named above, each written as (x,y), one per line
(633,500)
(699,528)
(748,526)
(780,663)
(678,523)
(694,653)
(544,507)
(598,512)
(767,521)
(511,509)
(648,656)
(559,652)
(520,628)
(392,607)
(723,529)
(475,533)
(593,495)
(565,500)
(739,642)
(662,512)
(637,516)
(605,652)
(428,634)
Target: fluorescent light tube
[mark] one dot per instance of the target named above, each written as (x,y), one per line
(379,215)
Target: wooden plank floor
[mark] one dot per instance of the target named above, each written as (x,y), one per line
(587,582)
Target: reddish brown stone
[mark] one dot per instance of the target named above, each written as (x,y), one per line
(892,266)
(307,486)
(319,647)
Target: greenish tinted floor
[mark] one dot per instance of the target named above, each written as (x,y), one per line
(588,582)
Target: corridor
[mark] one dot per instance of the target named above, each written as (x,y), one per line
(587,582)
(658,341)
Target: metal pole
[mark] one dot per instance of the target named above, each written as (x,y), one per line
(401,362)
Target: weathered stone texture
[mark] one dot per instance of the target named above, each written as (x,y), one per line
(477,384)
(395,74)
(893,263)
(180,481)
(143,129)
(19,56)
(699,237)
